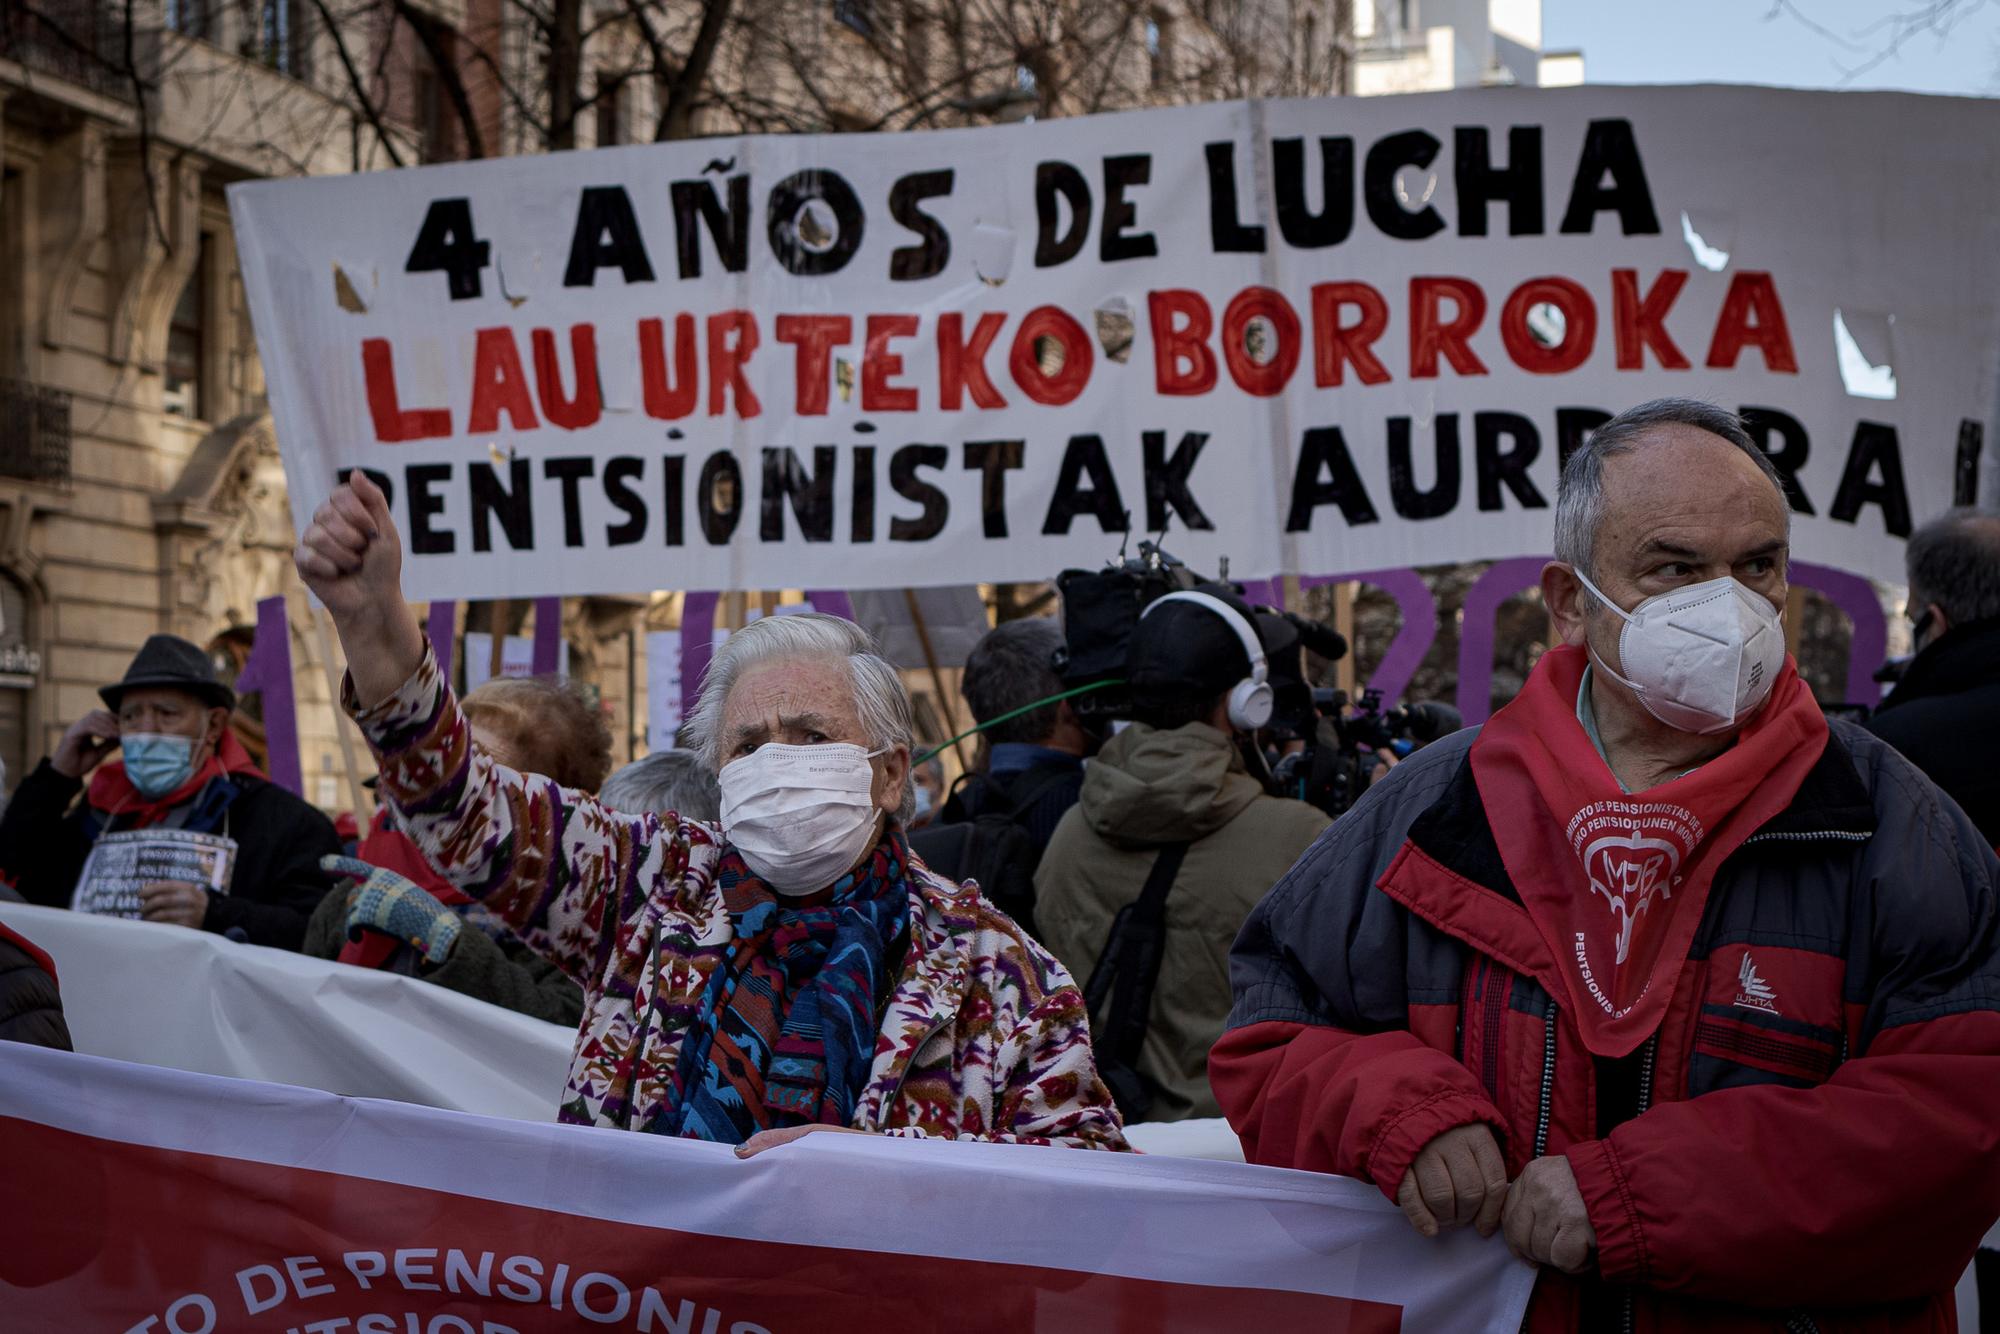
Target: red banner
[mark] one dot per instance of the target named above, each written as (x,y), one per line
(144,1200)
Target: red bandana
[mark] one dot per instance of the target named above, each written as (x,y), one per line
(1616,884)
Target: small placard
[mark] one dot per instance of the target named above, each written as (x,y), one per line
(120,863)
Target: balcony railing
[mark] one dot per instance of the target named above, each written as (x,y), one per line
(34,432)
(77,41)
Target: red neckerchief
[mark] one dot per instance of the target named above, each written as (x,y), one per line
(391,849)
(1614,883)
(112,792)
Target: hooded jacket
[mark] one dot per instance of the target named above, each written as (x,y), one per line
(1813,1145)
(1146,788)
(1944,715)
(983,1036)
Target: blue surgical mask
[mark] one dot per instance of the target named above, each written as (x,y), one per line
(157,763)
(923,802)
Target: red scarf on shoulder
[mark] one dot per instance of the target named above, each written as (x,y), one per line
(113,793)
(390,848)
(1616,883)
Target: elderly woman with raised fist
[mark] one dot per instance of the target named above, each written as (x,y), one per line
(792,969)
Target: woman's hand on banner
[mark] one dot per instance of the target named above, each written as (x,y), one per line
(771,1139)
(175,901)
(1546,1221)
(352,559)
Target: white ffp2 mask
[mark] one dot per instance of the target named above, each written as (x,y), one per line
(800,815)
(1700,658)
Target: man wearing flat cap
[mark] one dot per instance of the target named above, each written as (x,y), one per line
(179,768)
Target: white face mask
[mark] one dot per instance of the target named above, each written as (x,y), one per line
(1701,658)
(800,815)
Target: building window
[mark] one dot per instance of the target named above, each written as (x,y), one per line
(20,672)
(191,18)
(283,36)
(856,14)
(187,343)
(610,109)
(13,275)
(437,122)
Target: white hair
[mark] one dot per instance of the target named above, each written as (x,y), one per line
(880,701)
(667,780)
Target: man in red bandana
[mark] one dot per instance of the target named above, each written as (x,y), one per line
(179,768)
(1693,995)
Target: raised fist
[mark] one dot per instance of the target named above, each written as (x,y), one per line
(352,560)
(351,557)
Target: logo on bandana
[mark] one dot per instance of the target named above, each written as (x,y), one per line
(1631,853)
(1630,872)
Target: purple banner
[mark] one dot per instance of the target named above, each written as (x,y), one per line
(1475,643)
(268,671)
(548,637)
(441,627)
(1413,639)
(1855,596)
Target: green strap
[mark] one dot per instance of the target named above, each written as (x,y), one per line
(1012,713)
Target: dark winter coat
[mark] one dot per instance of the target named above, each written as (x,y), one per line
(509,974)
(1944,715)
(1818,1151)
(276,883)
(30,1005)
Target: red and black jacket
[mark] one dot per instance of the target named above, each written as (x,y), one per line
(1810,1140)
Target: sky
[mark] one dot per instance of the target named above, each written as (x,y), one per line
(1774,42)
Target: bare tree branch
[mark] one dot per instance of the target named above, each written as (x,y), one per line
(355,86)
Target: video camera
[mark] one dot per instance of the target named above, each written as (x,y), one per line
(1342,739)
(1102,607)
(1344,748)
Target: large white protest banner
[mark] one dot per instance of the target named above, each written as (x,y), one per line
(191,1000)
(142,1199)
(1308,336)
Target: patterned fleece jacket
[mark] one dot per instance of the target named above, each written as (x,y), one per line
(984,1037)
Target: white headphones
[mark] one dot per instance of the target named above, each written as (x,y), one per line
(1250,698)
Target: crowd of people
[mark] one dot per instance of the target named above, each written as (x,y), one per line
(1690,990)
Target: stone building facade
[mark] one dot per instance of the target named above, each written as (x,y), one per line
(140,483)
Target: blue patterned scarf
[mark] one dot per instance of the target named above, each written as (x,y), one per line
(786,1031)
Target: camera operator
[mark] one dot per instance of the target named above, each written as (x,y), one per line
(1170,791)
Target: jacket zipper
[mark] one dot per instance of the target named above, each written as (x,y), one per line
(1546,1100)
(1548,1078)
(1646,1058)
(1837,835)
(904,1078)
